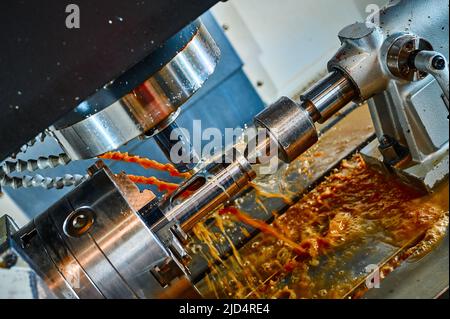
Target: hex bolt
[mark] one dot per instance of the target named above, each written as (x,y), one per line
(438,63)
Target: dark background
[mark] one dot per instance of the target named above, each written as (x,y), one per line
(46,69)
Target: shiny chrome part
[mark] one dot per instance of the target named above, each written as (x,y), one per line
(173,139)
(210,188)
(435,64)
(400,54)
(93,243)
(290,125)
(37,180)
(260,149)
(407,107)
(217,182)
(328,96)
(358,59)
(149,108)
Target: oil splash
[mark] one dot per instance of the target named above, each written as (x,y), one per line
(354,212)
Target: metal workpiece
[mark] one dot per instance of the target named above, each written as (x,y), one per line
(328,96)
(147,109)
(290,125)
(173,217)
(94,244)
(207,190)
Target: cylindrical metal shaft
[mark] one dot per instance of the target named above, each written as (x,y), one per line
(328,96)
(290,125)
(204,192)
(285,123)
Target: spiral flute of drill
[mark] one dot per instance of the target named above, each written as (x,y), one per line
(39,138)
(41,181)
(32,165)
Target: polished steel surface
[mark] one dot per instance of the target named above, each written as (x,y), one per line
(209,190)
(434,63)
(399,57)
(17,279)
(426,278)
(93,243)
(149,108)
(358,58)
(40,247)
(328,96)
(173,141)
(116,254)
(407,106)
(290,125)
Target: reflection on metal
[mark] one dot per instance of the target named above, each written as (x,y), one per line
(399,57)
(388,67)
(328,96)
(18,280)
(293,180)
(172,139)
(149,108)
(435,64)
(93,244)
(290,125)
(37,180)
(425,278)
(32,165)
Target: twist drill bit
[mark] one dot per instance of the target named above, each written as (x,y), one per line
(32,165)
(23,149)
(41,181)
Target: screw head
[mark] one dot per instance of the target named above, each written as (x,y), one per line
(438,62)
(79,222)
